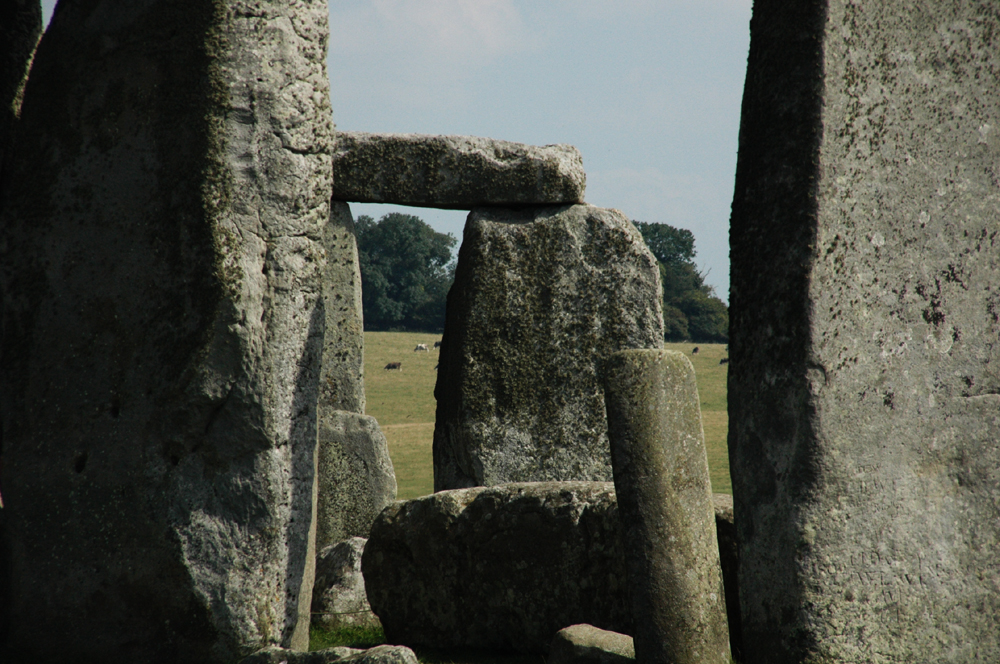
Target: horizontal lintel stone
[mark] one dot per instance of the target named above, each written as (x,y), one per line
(454,172)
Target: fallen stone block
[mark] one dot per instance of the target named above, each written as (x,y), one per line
(378,655)
(501,567)
(460,172)
(542,297)
(339,598)
(586,644)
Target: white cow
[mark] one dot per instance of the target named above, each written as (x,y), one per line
(420,347)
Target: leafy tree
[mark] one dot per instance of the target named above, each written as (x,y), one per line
(406,271)
(691,310)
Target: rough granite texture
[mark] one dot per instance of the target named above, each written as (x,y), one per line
(586,644)
(541,297)
(160,268)
(460,172)
(864,376)
(20,28)
(339,598)
(341,385)
(501,567)
(665,506)
(378,655)
(355,478)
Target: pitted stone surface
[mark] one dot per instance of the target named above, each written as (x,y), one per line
(541,297)
(665,506)
(355,478)
(341,385)
(865,369)
(339,598)
(460,172)
(160,268)
(501,567)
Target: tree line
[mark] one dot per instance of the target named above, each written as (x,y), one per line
(407,269)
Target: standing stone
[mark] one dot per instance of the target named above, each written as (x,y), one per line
(342,384)
(339,597)
(541,295)
(460,172)
(665,505)
(865,311)
(355,478)
(20,29)
(160,268)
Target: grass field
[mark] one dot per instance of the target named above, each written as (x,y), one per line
(403,403)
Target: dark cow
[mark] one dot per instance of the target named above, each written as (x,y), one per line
(398,366)
(724,360)
(437,344)
(695,351)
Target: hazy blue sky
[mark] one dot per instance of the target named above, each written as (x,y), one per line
(648,90)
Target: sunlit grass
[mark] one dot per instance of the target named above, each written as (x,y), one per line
(403,403)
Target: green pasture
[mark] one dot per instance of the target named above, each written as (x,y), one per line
(403,403)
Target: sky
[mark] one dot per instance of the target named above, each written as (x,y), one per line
(648,90)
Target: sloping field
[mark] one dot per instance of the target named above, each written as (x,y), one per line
(403,403)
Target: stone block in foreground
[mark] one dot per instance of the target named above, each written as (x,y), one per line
(502,567)
(162,332)
(385,654)
(863,380)
(460,172)
(355,478)
(586,644)
(541,297)
(665,506)
(339,598)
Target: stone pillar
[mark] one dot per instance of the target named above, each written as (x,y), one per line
(356,479)
(160,268)
(865,311)
(665,506)
(541,296)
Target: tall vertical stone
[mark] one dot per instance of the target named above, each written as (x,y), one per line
(542,295)
(665,506)
(160,267)
(864,383)
(342,384)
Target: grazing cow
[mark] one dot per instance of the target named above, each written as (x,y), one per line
(420,347)
(695,350)
(437,344)
(398,366)
(724,360)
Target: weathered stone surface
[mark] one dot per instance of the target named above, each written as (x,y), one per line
(160,268)
(341,385)
(433,563)
(460,172)
(665,506)
(355,477)
(586,644)
(863,382)
(541,297)
(377,655)
(502,567)
(729,558)
(20,28)
(339,598)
